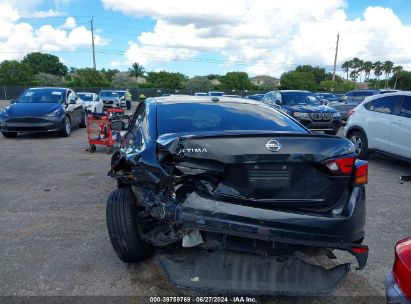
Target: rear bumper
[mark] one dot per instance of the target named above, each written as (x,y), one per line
(393,292)
(339,232)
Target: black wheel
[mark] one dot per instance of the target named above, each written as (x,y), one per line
(92,148)
(9,134)
(83,122)
(361,145)
(123,227)
(66,127)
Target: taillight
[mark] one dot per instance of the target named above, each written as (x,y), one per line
(351,112)
(361,172)
(402,266)
(342,165)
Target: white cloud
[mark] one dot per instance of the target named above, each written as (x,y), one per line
(42,14)
(19,38)
(264,36)
(69,24)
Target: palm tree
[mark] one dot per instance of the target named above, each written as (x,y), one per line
(356,66)
(377,66)
(346,66)
(137,70)
(367,66)
(387,67)
(397,70)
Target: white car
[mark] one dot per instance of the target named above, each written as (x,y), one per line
(91,101)
(382,124)
(122,95)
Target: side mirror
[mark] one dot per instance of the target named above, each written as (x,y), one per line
(278,102)
(12,101)
(117,125)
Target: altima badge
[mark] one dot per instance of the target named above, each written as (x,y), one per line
(273,145)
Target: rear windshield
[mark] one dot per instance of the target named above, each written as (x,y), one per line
(42,96)
(210,117)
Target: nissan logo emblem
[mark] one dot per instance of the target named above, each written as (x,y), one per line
(273,145)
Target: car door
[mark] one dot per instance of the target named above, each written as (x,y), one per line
(401,129)
(379,118)
(77,107)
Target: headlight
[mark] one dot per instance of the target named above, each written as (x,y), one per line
(54,113)
(336,114)
(301,115)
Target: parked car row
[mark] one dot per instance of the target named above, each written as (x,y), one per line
(51,109)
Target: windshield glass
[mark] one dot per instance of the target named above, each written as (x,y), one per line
(86,97)
(121,93)
(299,98)
(108,94)
(42,96)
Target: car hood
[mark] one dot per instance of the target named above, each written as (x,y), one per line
(32,109)
(309,108)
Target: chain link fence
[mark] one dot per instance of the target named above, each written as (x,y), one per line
(9,92)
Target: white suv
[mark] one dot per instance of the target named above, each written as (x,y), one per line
(382,124)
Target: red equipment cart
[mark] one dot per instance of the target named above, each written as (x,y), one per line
(99,131)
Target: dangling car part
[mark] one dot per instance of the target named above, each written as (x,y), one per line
(234,183)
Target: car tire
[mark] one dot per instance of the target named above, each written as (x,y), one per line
(83,122)
(9,134)
(123,227)
(361,145)
(66,127)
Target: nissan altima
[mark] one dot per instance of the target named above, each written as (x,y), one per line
(43,110)
(236,196)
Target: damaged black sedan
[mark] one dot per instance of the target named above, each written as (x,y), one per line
(237,197)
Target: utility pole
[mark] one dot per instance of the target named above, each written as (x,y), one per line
(335,58)
(92,43)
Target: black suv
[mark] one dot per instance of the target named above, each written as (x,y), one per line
(236,196)
(305,107)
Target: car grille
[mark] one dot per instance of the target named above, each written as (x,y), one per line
(26,120)
(321,116)
(108,101)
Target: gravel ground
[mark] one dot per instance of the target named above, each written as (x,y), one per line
(53,234)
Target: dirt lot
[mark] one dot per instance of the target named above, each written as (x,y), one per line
(53,234)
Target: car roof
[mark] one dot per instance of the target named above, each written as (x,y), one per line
(48,88)
(178,99)
(85,93)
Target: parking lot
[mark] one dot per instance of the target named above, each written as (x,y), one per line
(53,233)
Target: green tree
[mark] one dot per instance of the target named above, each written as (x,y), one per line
(387,68)
(44,79)
(165,80)
(89,77)
(236,80)
(367,69)
(13,72)
(404,81)
(109,73)
(347,66)
(199,83)
(213,76)
(318,73)
(136,70)
(377,66)
(295,80)
(397,71)
(45,63)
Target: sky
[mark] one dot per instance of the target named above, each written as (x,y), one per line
(260,37)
